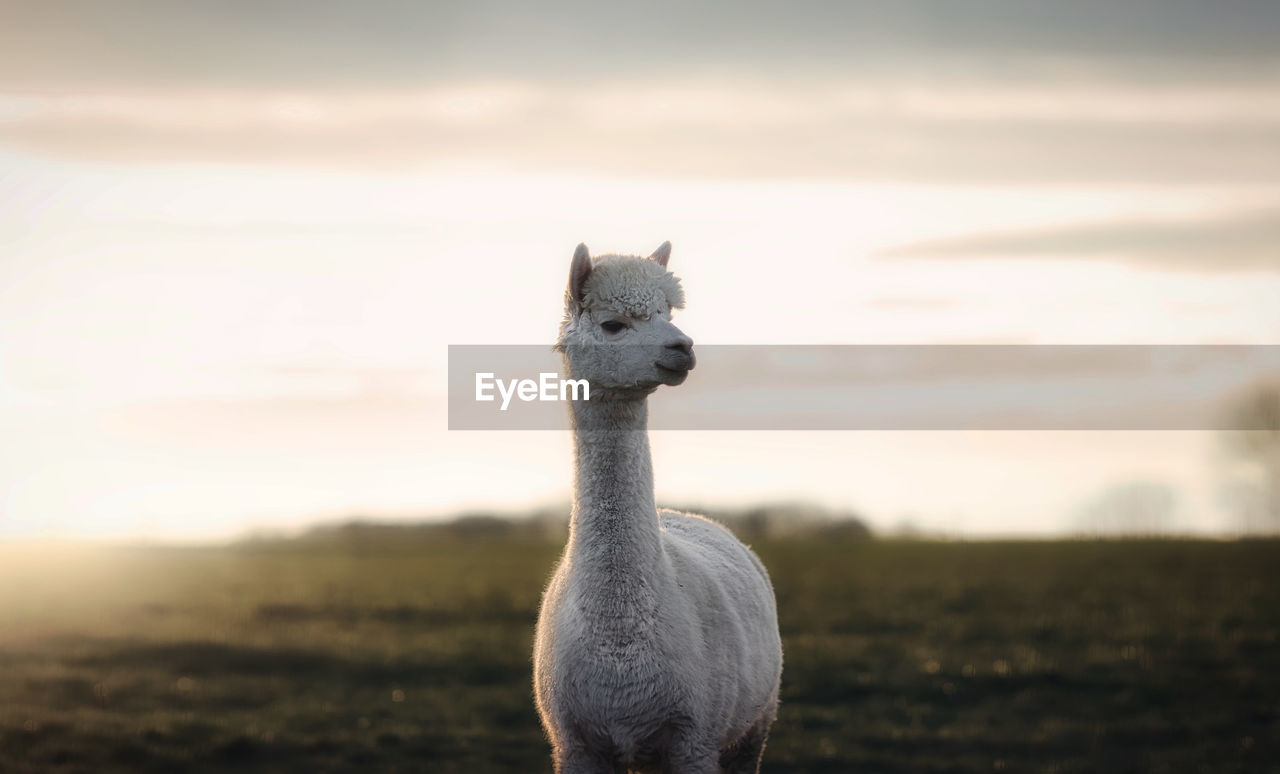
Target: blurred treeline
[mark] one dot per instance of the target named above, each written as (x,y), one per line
(757,522)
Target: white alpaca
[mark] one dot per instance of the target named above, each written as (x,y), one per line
(657,644)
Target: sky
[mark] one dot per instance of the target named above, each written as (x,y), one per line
(236,239)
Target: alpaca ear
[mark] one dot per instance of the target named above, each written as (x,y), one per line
(579,270)
(662,254)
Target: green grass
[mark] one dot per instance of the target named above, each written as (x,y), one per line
(413,655)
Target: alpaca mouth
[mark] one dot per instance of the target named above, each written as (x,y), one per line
(671,376)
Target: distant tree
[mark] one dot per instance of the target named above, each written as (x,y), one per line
(751,524)
(786,520)
(1252,437)
(851,528)
(1133,508)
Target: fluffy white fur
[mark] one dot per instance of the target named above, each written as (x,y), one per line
(657,644)
(634,287)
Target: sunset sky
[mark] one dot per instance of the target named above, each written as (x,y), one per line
(236,238)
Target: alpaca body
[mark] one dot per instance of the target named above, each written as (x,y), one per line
(676,675)
(657,645)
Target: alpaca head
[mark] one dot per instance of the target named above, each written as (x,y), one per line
(617,330)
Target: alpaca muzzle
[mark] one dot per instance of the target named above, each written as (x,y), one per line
(677,357)
(674,365)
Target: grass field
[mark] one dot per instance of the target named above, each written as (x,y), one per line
(412,654)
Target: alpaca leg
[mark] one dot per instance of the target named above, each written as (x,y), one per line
(581,760)
(692,757)
(744,756)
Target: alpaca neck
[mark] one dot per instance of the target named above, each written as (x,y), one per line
(613,531)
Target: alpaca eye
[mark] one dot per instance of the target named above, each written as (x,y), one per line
(612,326)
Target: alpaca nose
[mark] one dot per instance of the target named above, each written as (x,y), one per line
(684,345)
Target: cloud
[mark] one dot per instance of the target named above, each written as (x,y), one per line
(1241,242)
(1140,90)
(99,44)
(686,127)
